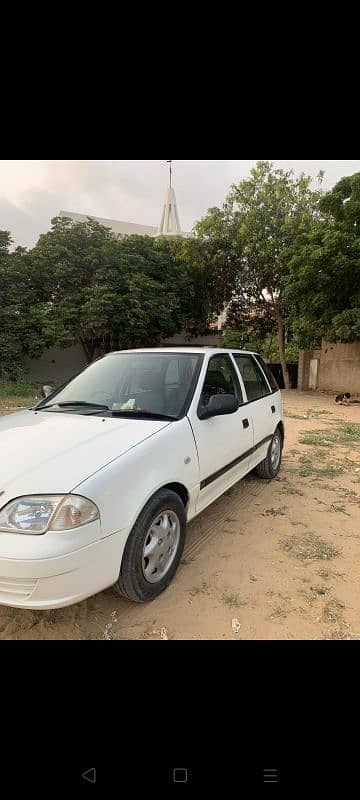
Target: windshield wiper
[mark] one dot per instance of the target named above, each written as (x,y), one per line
(142,415)
(75,404)
(96,408)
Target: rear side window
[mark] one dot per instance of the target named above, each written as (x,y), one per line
(255,383)
(272,380)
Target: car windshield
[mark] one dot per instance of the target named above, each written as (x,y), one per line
(131,384)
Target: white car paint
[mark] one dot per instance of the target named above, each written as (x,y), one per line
(119,464)
(58,453)
(219,441)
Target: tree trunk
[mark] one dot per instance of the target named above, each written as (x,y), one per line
(116,342)
(89,350)
(270,346)
(107,344)
(281,343)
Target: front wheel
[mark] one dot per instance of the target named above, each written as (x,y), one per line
(154,548)
(270,467)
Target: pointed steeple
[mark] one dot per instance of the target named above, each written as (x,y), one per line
(170,222)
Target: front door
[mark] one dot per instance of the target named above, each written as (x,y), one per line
(224,443)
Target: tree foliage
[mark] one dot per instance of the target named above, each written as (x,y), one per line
(253,232)
(21,314)
(81,284)
(282,258)
(323,284)
(107,292)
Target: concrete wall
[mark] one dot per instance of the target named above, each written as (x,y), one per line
(340,367)
(338,370)
(200,341)
(305,357)
(57,365)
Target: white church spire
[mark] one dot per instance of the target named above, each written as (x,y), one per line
(170,222)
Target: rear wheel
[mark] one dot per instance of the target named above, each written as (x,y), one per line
(270,467)
(153,549)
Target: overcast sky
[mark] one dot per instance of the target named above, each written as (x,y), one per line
(32,192)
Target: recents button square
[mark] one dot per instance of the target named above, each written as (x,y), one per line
(180,775)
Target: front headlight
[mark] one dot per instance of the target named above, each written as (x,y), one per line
(36,515)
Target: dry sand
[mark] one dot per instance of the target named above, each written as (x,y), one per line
(271,560)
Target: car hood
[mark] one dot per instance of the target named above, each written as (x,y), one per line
(49,452)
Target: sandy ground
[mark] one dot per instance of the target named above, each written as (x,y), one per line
(270,560)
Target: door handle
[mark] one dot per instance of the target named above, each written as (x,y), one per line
(245,423)
(273,409)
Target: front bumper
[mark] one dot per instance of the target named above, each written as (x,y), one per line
(54,582)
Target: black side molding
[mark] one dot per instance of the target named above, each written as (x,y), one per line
(232,464)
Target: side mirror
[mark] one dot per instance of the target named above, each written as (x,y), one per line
(46,391)
(219,405)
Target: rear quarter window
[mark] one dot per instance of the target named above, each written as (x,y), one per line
(265,367)
(254,380)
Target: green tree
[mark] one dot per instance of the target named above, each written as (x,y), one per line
(104,292)
(21,316)
(64,262)
(208,271)
(323,284)
(257,225)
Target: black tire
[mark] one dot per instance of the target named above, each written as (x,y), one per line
(132,582)
(266,469)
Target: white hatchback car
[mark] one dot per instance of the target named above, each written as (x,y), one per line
(98,481)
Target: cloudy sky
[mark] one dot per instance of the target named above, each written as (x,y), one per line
(32,192)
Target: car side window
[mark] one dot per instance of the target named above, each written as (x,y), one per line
(221,378)
(255,383)
(271,378)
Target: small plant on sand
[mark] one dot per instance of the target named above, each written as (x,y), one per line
(203,589)
(308,547)
(326,574)
(321,591)
(338,509)
(275,512)
(233,601)
(291,490)
(333,610)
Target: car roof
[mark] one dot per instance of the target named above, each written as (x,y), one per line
(191,350)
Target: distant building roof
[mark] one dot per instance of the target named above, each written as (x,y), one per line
(169,225)
(118,227)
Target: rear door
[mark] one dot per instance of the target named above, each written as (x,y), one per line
(224,443)
(261,406)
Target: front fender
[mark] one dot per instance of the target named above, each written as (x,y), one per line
(122,489)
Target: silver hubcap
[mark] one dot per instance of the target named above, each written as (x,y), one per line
(160,546)
(275,454)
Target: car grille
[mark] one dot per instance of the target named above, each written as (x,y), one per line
(17,589)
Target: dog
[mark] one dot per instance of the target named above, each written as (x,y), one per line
(344,399)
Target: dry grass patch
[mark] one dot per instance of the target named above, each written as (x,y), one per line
(308,547)
(233,601)
(310,470)
(341,433)
(333,610)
